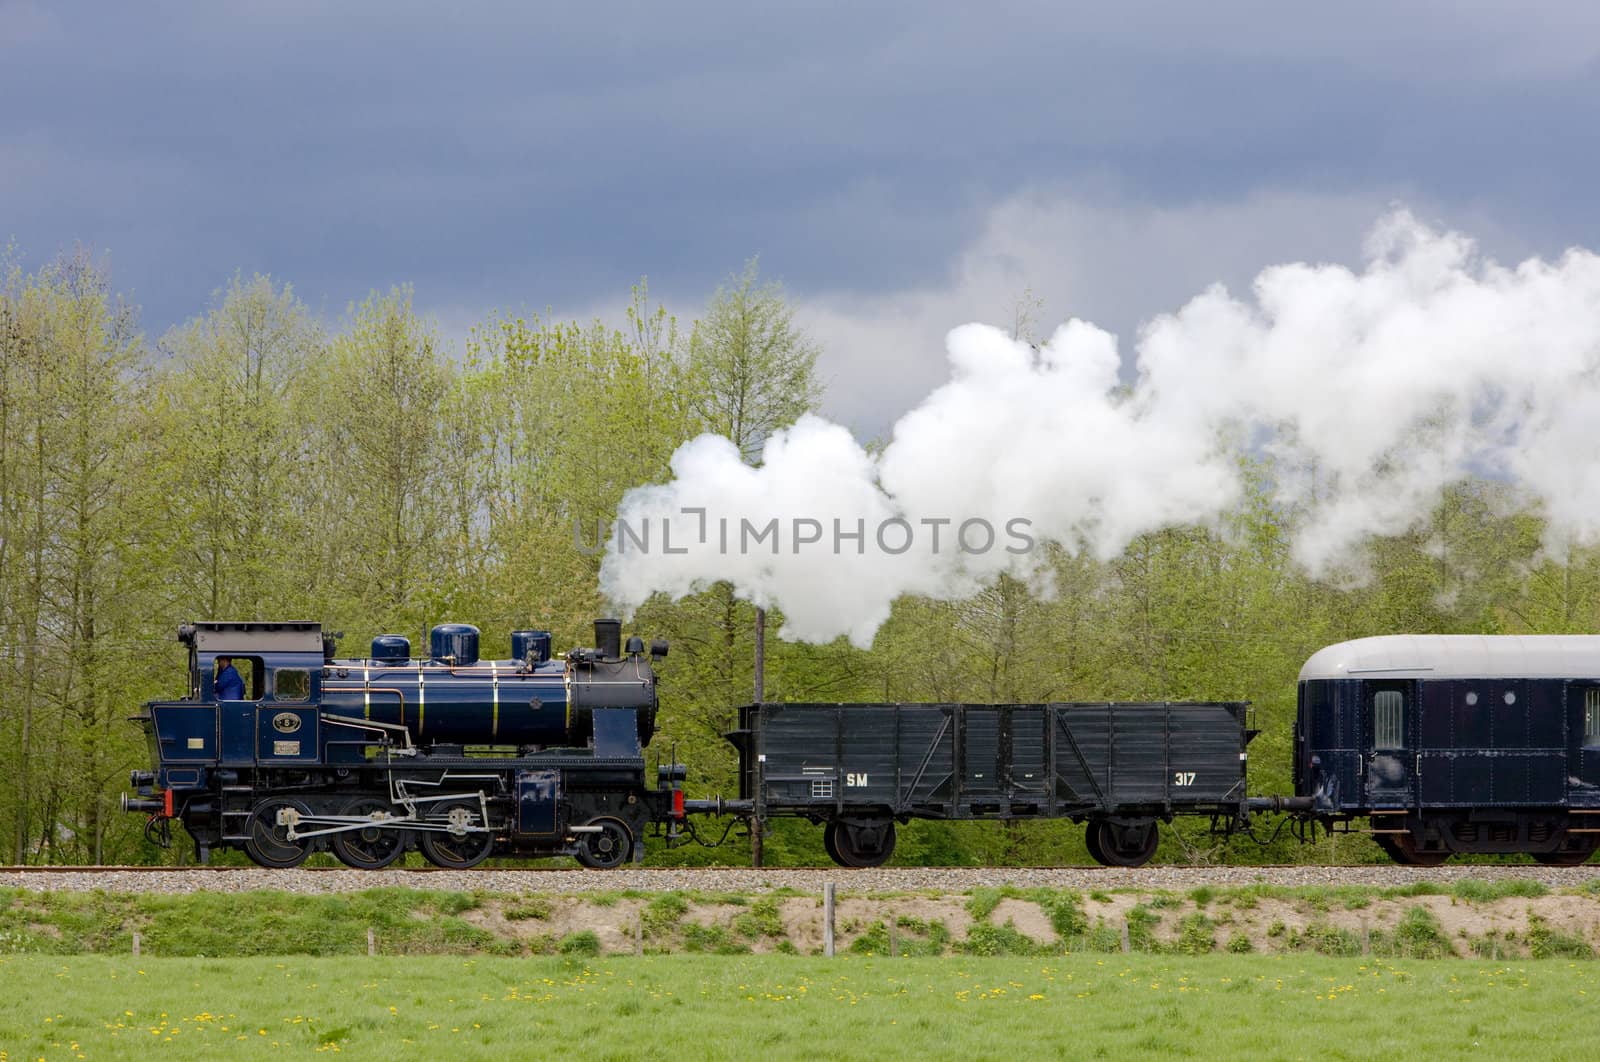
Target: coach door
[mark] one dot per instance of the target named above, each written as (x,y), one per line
(1583,720)
(1390,732)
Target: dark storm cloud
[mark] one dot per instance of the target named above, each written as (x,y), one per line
(524,155)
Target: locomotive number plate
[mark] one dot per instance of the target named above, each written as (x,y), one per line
(286,748)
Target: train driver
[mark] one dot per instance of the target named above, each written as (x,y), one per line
(229,686)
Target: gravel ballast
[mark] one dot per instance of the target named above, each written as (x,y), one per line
(747,880)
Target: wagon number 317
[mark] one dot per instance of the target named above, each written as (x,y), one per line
(1183,778)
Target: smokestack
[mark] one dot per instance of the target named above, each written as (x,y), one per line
(608,638)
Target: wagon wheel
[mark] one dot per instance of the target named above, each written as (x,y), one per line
(1405,851)
(606,849)
(1091,841)
(859,845)
(1127,846)
(828,843)
(268,844)
(459,846)
(371,847)
(1571,857)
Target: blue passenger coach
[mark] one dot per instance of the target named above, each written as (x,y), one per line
(1456,743)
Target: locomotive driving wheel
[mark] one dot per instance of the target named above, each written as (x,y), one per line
(371,847)
(606,848)
(463,843)
(268,844)
(859,844)
(1124,846)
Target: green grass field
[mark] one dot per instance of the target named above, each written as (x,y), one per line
(1113,1006)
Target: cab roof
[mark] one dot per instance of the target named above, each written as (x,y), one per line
(215,636)
(1445,656)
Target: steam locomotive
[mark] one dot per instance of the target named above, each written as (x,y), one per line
(448,753)
(1435,745)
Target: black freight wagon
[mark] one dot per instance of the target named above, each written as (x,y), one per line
(860,768)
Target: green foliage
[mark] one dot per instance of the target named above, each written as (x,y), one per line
(763,919)
(1475,891)
(1065,911)
(874,940)
(1321,938)
(528,907)
(582,943)
(715,939)
(1239,944)
(1416,936)
(986,938)
(1546,942)
(662,913)
(1196,935)
(1142,923)
(983,902)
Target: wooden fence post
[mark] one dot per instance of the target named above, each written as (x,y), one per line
(372,942)
(135,943)
(1127,941)
(827,919)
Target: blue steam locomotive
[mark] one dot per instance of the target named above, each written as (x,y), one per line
(369,757)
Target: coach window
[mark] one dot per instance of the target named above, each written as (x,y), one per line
(1388,719)
(1591,717)
(291,684)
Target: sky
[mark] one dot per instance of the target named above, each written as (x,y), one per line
(903,169)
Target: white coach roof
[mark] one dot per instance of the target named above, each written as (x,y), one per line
(1459,656)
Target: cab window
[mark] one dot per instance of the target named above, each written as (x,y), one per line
(291,684)
(251,673)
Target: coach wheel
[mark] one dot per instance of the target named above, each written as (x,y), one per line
(1127,846)
(371,847)
(268,844)
(1404,850)
(463,843)
(1571,857)
(607,848)
(861,845)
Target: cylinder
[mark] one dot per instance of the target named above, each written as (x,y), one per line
(608,638)
(391,649)
(456,643)
(536,643)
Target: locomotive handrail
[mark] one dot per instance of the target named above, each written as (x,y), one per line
(367,724)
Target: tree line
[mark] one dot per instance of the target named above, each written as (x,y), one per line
(259,462)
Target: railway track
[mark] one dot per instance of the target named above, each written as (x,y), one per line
(550,879)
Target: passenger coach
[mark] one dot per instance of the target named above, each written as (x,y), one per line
(1456,743)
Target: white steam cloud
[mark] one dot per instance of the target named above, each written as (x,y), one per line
(1370,391)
